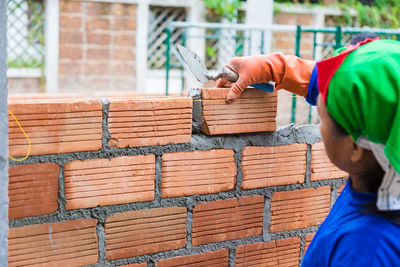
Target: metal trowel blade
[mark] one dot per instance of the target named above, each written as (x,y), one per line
(194,63)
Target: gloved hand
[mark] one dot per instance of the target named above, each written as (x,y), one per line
(289,72)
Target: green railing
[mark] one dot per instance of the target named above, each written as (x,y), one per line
(331,38)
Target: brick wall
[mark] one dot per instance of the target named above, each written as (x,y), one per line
(139,181)
(97,46)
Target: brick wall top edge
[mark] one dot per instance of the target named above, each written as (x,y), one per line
(221,93)
(52,101)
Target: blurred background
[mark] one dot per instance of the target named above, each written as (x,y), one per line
(127,47)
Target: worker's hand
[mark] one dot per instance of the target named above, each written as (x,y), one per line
(288,72)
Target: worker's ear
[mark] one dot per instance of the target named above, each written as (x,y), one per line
(357,152)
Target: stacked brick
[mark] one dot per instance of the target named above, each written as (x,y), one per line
(139,191)
(97,46)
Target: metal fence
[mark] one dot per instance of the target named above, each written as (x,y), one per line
(223,41)
(25,33)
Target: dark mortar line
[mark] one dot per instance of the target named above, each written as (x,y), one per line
(197,110)
(61,190)
(232,257)
(101,237)
(189,226)
(308,164)
(158,179)
(294,233)
(266,219)
(105,133)
(302,249)
(239,173)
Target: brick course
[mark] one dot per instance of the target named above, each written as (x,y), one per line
(213,258)
(197,172)
(299,208)
(33,189)
(321,166)
(68,243)
(284,252)
(229,219)
(55,126)
(102,182)
(149,122)
(142,232)
(254,111)
(273,165)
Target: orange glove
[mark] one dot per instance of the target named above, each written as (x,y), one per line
(287,71)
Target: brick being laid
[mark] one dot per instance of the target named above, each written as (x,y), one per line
(321,167)
(33,189)
(281,252)
(299,209)
(212,258)
(153,121)
(273,165)
(55,126)
(254,111)
(69,243)
(197,172)
(228,219)
(141,232)
(102,182)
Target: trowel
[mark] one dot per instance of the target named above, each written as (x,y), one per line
(200,72)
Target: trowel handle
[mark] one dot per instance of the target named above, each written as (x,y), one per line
(233,77)
(264,86)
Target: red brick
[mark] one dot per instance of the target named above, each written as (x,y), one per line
(70,22)
(98,53)
(67,37)
(143,264)
(33,189)
(273,165)
(124,10)
(55,126)
(299,209)
(321,166)
(212,258)
(282,252)
(229,219)
(98,9)
(309,237)
(101,182)
(197,172)
(97,24)
(98,38)
(124,24)
(126,54)
(149,121)
(70,52)
(97,68)
(254,111)
(68,6)
(124,39)
(141,232)
(68,243)
(124,68)
(69,68)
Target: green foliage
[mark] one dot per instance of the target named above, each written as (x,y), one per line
(220,9)
(371,13)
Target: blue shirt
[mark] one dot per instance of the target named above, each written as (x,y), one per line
(350,237)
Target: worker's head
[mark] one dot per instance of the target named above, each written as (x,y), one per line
(345,153)
(359,107)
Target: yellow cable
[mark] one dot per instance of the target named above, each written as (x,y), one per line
(27,137)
